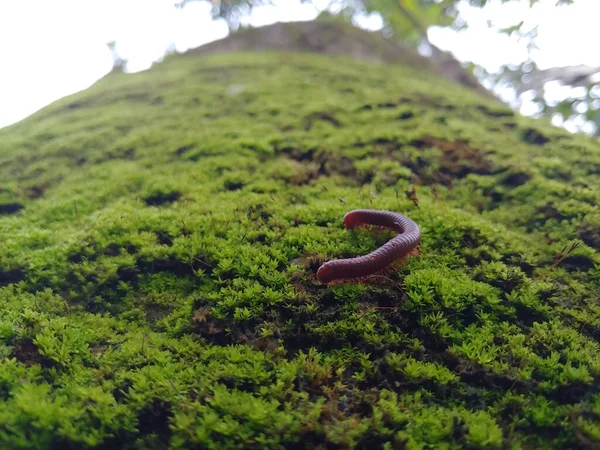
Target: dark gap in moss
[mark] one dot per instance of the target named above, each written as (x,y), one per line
(258,148)
(510,125)
(562,173)
(120,153)
(442,392)
(77,105)
(154,312)
(472,239)
(516,178)
(164,238)
(476,396)
(441,120)
(35,191)
(243,384)
(409,323)
(589,233)
(505,281)
(528,315)
(472,397)
(79,257)
(496,197)
(259,212)
(44,137)
(518,261)
(233,185)
(303,338)
(585,328)
(307,173)
(554,435)
(287,128)
(99,299)
(343,166)
(11,208)
(578,263)
(162,198)
(155,419)
(406,115)
(112,249)
(482,378)
(574,392)
(90,251)
(327,164)
(389,377)
(460,431)
(495,112)
(25,351)
(106,295)
(388,145)
(174,266)
(297,153)
(266,345)
(494,129)
(585,437)
(122,439)
(363,408)
(127,274)
(39,172)
(468,315)
(208,327)
(128,153)
(324,116)
(590,169)
(260,238)
(386,105)
(533,136)
(439,103)
(11,276)
(132,249)
(458,160)
(196,156)
(122,391)
(549,211)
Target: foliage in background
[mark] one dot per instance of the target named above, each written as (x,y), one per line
(408,21)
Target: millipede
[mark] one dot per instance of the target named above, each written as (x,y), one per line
(400,246)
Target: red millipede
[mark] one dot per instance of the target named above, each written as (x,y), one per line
(408,238)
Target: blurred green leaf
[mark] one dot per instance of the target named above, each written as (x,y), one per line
(511,30)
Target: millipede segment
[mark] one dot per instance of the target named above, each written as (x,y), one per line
(408,238)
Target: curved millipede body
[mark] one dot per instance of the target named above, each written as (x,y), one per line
(408,238)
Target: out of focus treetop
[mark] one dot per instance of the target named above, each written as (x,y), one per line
(409,21)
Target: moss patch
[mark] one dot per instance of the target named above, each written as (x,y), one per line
(161,234)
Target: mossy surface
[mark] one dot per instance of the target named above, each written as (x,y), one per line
(161,233)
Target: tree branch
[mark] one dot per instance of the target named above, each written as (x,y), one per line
(412,19)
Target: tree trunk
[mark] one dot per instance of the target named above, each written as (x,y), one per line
(162,232)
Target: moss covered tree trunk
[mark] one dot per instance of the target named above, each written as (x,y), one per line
(161,233)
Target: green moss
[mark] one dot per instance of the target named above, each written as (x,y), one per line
(157,278)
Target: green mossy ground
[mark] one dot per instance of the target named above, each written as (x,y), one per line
(161,233)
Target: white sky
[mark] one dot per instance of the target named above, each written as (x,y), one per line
(49,49)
